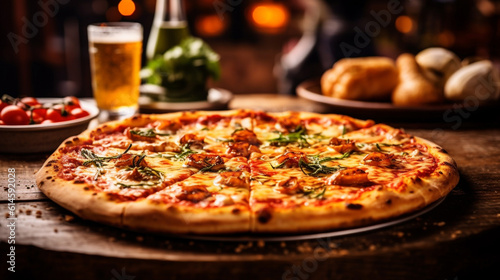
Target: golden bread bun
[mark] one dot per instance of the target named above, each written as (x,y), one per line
(414,88)
(366,78)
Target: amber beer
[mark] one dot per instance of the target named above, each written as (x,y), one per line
(115,60)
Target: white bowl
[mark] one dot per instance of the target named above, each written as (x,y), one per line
(38,138)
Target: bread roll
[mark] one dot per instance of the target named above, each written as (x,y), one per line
(414,88)
(367,78)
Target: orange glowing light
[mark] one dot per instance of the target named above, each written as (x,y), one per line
(446,38)
(210,25)
(270,15)
(126,7)
(404,24)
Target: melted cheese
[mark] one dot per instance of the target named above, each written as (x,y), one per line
(259,179)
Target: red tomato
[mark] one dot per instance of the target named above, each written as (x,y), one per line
(79,113)
(42,112)
(3,105)
(47,121)
(1,122)
(54,115)
(13,115)
(70,108)
(31,101)
(71,101)
(65,110)
(38,115)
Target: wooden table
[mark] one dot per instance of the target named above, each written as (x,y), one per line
(459,239)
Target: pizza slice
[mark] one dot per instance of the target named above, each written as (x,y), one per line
(290,189)
(213,200)
(97,182)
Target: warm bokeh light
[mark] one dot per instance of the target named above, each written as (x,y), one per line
(126,7)
(404,24)
(269,15)
(446,38)
(210,26)
(486,7)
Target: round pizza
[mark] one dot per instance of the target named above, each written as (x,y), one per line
(245,171)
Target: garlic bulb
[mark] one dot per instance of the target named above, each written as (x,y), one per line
(479,79)
(437,64)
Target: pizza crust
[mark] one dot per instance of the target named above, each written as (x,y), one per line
(169,218)
(444,178)
(335,216)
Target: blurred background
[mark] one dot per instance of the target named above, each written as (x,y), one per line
(265,46)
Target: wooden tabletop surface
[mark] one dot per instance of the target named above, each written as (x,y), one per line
(458,239)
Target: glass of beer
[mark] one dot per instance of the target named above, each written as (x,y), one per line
(115,61)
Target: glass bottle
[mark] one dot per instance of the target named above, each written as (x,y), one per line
(169,27)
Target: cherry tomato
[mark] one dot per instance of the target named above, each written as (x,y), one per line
(13,115)
(54,115)
(42,112)
(64,109)
(72,101)
(3,105)
(31,101)
(26,102)
(1,122)
(47,121)
(37,115)
(79,113)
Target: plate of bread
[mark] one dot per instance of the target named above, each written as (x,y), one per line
(434,83)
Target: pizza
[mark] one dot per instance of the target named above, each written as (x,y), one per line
(244,171)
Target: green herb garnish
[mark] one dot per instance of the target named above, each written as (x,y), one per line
(314,166)
(181,155)
(343,131)
(326,159)
(150,172)
(142,185)
(317,169)
(298,136)
(378,145)
(321,194)
(185,151)
(208,168)
(312,192)
(223,140)
(99,161)
(148,133)
(145,170)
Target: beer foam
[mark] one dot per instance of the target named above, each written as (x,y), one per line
(114,35)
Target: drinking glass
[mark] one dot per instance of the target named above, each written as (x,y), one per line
(115,61)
